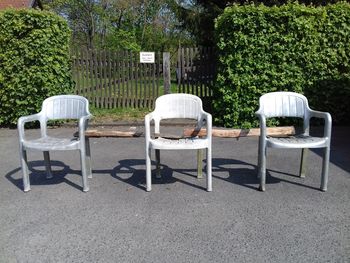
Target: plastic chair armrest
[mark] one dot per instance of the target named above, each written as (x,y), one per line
(83,121)
(262,119)
(206,120)
(327,120)
(148,118)
(23,120)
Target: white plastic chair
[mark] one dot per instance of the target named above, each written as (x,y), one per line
(290,104)
(184,106)
(54,108)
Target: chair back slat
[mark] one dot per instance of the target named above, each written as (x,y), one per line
(65,107)
(184,106)
(283,104)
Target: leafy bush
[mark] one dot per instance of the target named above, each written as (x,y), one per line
(287,48)
(34,61)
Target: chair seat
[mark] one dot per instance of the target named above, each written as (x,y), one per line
(52,144)
(297,141)
(179,144)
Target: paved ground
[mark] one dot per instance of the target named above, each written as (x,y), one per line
(118,221)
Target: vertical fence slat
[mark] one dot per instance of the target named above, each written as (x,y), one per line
(100,78)
(178,70)
(109,78)
(141,86)
(132,80)
(118,77)
(136,80)
(103,78)
(153,66)
(184,71)
(127,72)
(75,57)
(85,70)
(206,72)
(127,79)
(96,79)
(149,80)
(122,68)
(145,87)
(94,82)
(89,72)
(114,79)
(203,67)
(187,70)
(158,75)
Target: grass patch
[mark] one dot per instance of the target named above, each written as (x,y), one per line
(118,114)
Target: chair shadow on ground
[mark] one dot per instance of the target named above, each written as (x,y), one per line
(132,172)
(37,174)
(246,176)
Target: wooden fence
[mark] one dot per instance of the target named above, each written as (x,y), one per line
(110,79)
(196,70)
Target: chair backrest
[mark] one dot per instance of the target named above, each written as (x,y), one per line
(65,107)
(178,105)
(283,104)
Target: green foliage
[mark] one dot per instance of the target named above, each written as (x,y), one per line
(124,24)
(34,61)
(197,16)
(123,40)
(287,48)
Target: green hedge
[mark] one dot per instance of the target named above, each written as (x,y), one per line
(34,61)
(287,48)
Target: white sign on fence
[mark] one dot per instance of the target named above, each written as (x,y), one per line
(146,57)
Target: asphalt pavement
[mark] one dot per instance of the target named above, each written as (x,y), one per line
(178,221)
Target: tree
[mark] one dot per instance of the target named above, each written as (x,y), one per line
(81,15)
(121,24)
(197,16)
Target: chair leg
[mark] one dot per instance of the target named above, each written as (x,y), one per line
(304,154)
(259,164)
(325,168)
(158,174)
(83,170)
(262,167)
(24,164)
(88,157)
(199,163)
(48,165)
(209,170)
(148,170)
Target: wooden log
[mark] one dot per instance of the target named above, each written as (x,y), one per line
(110,133)
(190,132)
(235,133)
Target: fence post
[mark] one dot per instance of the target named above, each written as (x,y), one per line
(166,72)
